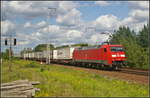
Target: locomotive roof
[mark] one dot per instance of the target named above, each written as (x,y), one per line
(115,45)
(95,47)
(89,47)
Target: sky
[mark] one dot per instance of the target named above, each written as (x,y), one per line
(68,22)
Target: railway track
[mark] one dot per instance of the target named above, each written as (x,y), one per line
(121,70)
(135,71)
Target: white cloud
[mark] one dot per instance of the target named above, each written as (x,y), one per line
(107,22)
(27,24)
(22,42)
(65,10)
(70,18)
(136,26)
(36,34)
(41,24)
(66,6)
(128,20)
(7,27)
(34,9)
(22,8)
(38,25)
(102,3)
(22,36)
(74,34)
(50,29)
(28,39)
(55,35)
(139,14)
(139,4)
(98,38)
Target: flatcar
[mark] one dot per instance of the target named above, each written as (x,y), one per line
(112,56)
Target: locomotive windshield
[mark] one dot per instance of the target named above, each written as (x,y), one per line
(116,49)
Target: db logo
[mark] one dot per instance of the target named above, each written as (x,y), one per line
(117,55)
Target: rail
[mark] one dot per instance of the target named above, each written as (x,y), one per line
(135,71)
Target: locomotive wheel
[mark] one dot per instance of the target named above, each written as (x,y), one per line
(87,65)
(102,66)
(97,66)
(115,68)
(83,64)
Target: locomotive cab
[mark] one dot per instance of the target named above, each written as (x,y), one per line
(117,56)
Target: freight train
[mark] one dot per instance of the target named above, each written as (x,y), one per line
(106,55)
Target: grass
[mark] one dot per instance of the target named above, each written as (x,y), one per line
(60,81)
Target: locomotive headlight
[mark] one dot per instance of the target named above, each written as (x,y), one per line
(113,55)
(122,55)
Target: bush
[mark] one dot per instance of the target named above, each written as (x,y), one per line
(41,69)
(32,65)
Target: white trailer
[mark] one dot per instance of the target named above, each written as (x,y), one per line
(65,53)
(54,54)
(48,54)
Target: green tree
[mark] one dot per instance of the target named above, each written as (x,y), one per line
(81,44)
(143,36)
(123,33)
(42,47)
(63,46)
(5,55)
(137,56)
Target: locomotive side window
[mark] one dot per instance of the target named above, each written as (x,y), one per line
(105,50)
(116,49)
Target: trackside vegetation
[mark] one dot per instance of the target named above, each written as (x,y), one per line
(60,81)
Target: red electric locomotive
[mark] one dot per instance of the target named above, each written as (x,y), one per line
(107,55)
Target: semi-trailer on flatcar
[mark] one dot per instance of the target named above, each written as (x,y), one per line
(63,55)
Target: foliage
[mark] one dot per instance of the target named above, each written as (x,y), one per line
(143,36)
(42,47)
(5,55)
(63,46)
(32,65)
(60,81)
(81,44)
(137,54)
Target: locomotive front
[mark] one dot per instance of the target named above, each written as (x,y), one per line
(118,56)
